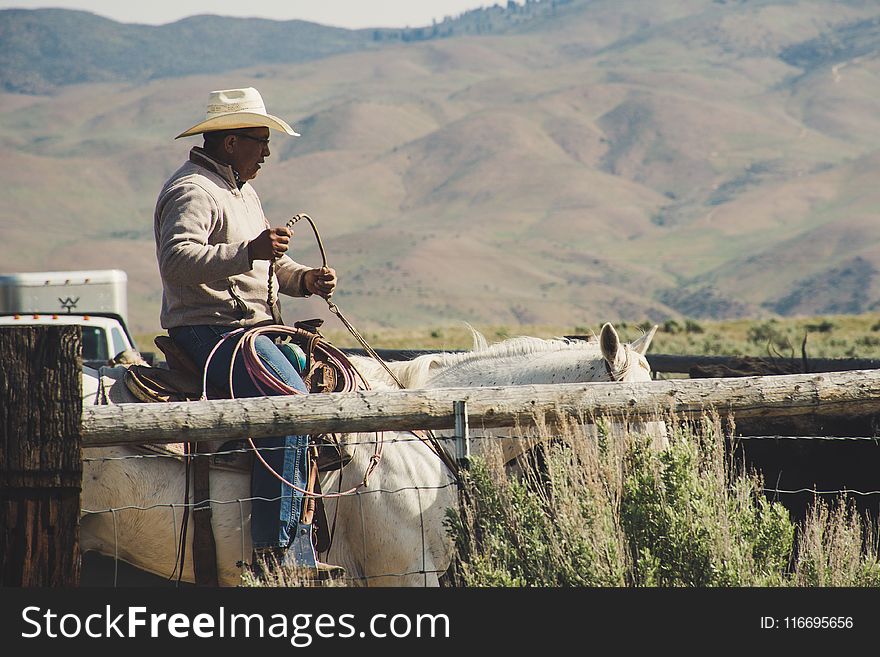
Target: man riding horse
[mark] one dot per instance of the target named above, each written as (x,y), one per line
(220,260)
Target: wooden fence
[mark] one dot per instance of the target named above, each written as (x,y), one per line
(820,397)
(45,427)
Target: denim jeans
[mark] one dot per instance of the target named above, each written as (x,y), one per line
(275,518)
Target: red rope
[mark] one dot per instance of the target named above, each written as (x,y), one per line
(265,381)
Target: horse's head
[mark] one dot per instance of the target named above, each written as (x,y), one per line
(625,362)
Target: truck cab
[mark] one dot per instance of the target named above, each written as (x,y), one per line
(95,300)
(102,337)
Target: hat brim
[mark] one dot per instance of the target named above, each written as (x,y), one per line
(235,120)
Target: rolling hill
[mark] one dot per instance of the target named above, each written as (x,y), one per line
(564,162)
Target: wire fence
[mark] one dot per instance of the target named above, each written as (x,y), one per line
(178,509)
(813,491)
(354,443)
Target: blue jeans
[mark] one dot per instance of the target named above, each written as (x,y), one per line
(274,518)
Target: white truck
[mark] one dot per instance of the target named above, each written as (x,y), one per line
(96,300)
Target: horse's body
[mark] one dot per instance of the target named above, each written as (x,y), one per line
(391,533)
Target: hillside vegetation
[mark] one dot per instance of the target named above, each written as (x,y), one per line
(562,163)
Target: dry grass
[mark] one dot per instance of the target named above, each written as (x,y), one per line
(827,336)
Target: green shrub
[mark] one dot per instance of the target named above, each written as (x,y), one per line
(690,326)
(671,326)
(541,530)
(868,341)
(768,333)
(820,327)
(610,510)
(689,524)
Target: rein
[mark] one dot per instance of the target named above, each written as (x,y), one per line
(429,439)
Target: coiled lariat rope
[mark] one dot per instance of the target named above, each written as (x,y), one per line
(265,382)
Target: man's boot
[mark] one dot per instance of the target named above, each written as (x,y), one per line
(298,559)
(269,561)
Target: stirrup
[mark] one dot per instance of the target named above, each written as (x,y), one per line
(327,571)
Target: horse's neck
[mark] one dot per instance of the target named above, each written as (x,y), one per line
(567,365)
(411,373)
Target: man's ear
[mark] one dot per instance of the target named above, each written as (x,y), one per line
(229,144)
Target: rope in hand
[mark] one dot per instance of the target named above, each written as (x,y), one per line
(429,439)
(332,306)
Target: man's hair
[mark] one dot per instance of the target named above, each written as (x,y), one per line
(214,138)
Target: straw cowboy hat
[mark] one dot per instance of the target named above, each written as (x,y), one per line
(237,108)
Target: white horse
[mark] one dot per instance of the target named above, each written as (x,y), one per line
(390,533)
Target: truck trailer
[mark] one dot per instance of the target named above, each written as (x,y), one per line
(96,300)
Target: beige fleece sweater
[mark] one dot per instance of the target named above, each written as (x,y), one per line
(202,225)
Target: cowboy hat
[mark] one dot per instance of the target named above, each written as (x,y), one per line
(237,108)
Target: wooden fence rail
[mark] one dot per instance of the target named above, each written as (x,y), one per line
(817,396)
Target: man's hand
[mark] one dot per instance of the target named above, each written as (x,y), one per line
(320,281)
(271,243)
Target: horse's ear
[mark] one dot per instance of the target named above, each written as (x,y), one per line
(609,342)
(641,345)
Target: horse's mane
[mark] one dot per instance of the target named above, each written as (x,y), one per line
(416,372)
(515,348)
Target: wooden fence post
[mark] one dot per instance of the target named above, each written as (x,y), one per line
(462,437)
(40,455)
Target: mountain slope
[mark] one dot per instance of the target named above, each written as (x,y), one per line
(46,48)
(593,160)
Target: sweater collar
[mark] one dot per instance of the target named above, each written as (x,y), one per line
(199,156)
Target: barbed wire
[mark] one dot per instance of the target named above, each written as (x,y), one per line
(172,506)
(225,452)
(425,572)
(405,574)
(243,450)
(394,491)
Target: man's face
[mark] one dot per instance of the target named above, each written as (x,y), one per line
(248,148)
